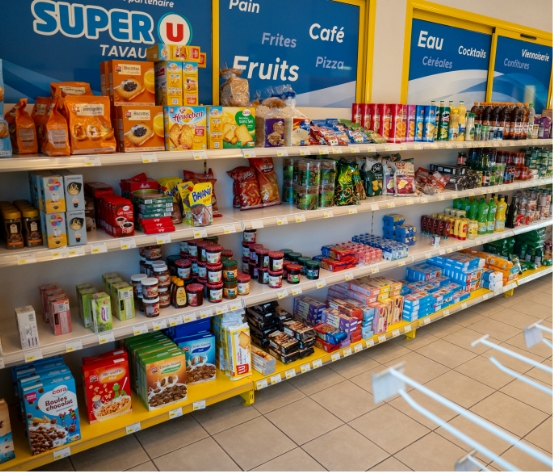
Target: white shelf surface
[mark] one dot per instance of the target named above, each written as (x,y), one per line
(51,345)
(39,161)
(235,221)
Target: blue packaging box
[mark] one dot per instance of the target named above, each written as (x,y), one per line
(199,351)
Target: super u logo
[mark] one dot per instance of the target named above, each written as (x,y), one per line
(174,29)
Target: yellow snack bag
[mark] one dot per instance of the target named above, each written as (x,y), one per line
(200,204)
(185,189)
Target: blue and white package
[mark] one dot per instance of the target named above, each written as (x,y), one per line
(199,351)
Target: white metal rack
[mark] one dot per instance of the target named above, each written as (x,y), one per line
(533,335)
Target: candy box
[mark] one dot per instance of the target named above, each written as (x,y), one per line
(185,128)
(6,439)
(231,127)
(51,413)
(106,384)
(60,315)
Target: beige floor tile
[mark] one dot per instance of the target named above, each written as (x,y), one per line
(224,415)
(171,435)
(420,368)
(422,338)
(431,452)
(423,400)
(509,413)
(542,298)
(481,369)
(388,428)
(495,329)
(475,432)
(387,351)
(489,306)
(277,396)
(109,456)
(254,443)
(391,464)
(514,317)
(540,349)
(296,459)
(441,328)
(345,400)
(345,449)
(510,301)
(548,290)
(303,420)
(467,317)
(464,338)
(354,365)
(459,388)
(522,460)
(529,394)
(541,436)
(539,374)
(203,455)
(61,465)
(511,362)
(364,380)
(316,380)
(530,307)
(446,353)
(147,466)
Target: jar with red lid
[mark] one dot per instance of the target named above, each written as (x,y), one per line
(293,273)
(253,252)
(193,248)
(276,260)
(141,251)
(226,254)
(184,268)
(275,279)
(249,235)
(285,265)
(214,273)
(213,253)
(151,307)
(215,292)
(202,281)
(164,297)
(183,248)
(201,250)
(252,270)
(195,294)
(262,258)
(243,284)
(263,276)
(202,270)
(162,274)
(153,253)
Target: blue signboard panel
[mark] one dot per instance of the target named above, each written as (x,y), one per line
(522,72)
(447,63)
(313,47)
(43,41)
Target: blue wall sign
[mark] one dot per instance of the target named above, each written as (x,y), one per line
(522,72)
(447,63)
(314,48)
(43,41)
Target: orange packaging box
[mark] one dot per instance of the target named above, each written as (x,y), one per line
(202,64)
(190,83)
(107,388)
(185,128)
(140,129)
(168,77)
(173,52)
(131,82)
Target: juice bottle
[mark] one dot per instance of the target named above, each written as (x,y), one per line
(518,115)
(453,132)
(438,117)
(497,121)
(463,229)
(473,210)
(492,209)
(462,120)
(443,130)
(477,110)
(501,215)
(469,129)
(525,121)
(510,116)
(483,210)
(502,121)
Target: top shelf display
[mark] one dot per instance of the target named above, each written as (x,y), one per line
(37,162)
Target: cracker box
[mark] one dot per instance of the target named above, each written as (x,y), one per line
(101,312)
(169,83)
(231,127)
(173,52)
(27,326)
(131,82)
(7,453)
(106,383)
(185,128)
(54,230)
(199,351)
(238,343)
(51,413)
(140,128)
(190,84)
(76,230)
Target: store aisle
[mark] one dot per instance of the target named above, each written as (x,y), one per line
(327,419)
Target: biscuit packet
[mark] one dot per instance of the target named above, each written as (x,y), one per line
(267,179)
(208,176)
(41,110)
(55,140)
(170,187)
(89,124)
(70,88)
(200,204)
(23,131)
(238,343)
(235,91)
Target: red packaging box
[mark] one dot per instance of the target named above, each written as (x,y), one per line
(335,266)
(116,216)
(375,118)
(138,182)
(48,297)
(366,115)
(327,347)
(158,230)
(115,353)
(356,111)
(60,315)
(340,253)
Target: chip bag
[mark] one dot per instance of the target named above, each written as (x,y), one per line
(200,204)
(345,192)
(404,178)
(267,178)
(170,186)
(373,176)
(55,140)
(206,177)
(23,131)
(246,188)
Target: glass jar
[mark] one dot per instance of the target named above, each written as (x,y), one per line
(250,235)
(195,294)
(214,273)
(171,263)
(178,294)
(153,253)
(183,248)
(252,270)
(230,270)
(276,260)
(263,276)
(202,270)
(215,292)
(201,249)
(294,274)
(302,261)
(136,281)
(262,258)
(194,267)
(13,229)
(151,307)
(150,288)
(164,297)
(253,251)
(312,270)
(286,253)
(243,284)
(193,248)
(140,303)
(294,256)
(246,249)
(230,290)
(213,254)
(226,254)
(184,268)
(31,225)
(275,279)
(143,269)
(161,273)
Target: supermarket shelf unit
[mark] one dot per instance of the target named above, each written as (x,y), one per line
(203,395)
(81,337)
(38,161)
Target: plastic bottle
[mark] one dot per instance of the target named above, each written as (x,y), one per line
(477,110)
(487,123)
(525,121)
(511,118)
(531,117)
(501,215)
(497,116)
(511,219)
(469,129)
(503,119)
(453,132)
(483,210)
(457,203)
(466,205)
(492,209)
(438,118)
(518,115)
(473,210)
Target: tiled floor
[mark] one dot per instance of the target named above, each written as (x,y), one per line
(327,419)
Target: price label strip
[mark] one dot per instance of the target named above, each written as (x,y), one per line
(92,161)
(157,325)
(282,152)
(73,346)
(290,373)
(128,243)
(300,218)
(133,428)
(335,356)
(62,453)
(98,248)
(296,291)
(140,329)
(32,356)
(176,413)
(229,229)
(382,338)
(23,259)
(164,238)
(317,363)
(358,347)
(276,379)
(281,220)
(175,320)
(106,337)
(248,153)
(199,155)
(305,368)
(261,384)
(282,294)
(200,233)
(346,352)
(149,157)
(199,405)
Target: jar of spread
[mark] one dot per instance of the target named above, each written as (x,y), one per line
(136,281)
(294,256)
(246,249)
(151,307)
(230,290)
(294,274)
(243,284)
(312,270)
(194,267)
(31,224)
(276,260)
(195,294)
(214,273)
(252,270)
(201,281)
(202,270)
(150,288)
(286,253)
(226,254)
(183,248)
(249,235)
(275,279)
(253,251)
(154,265)
(193,248)
(262,258)
(212,239)
(201,244)
(213,253)
(164,297)
(263,276)
(13,229)
(161,273)
(285,269)
(153,253)
(215,292)
(302,261)
(184,268)
(230,270)
(171,263)
(143,265)
(141,251)
(178,294)
(148,267)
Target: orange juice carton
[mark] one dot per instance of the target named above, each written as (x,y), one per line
(173,52)
(131,82)
(140,128)
(54,231)
(185,128)
(231,127)
(168,80)
(190,83)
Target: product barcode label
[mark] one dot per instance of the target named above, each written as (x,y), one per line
(335,356)
(305,368)
(73,346)
(346,352)
(305,152)
(248,153)
(199,155)
(140,329)
(417,147)
(448,146)
(281,220)
(409,201)
(32,356)
(98,248)
(149,157)
(276,379)
(446,312)
(449,250)
(323,151)
(352,211)
(62,453)
(336,150)
(300,218)
(282,152)
(382,338)
(317,363)
(60,253)
(164,238)
(426,321)
(76,251)
(260,384)
(199,405)
(463,306)
(237,305)
(290,373)
(175,320)
(157,325)
(176,413)
(391,204)
(133,428)
(374,270)
(106,337)
(354,149)
(371,148)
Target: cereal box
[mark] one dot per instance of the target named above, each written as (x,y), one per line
(131,82)
(140,128)
(185,128)
(7,452)
(190,84)
(169,83)
(173,52)
(199,351)
(106,385)
(51,413)
(231,127)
